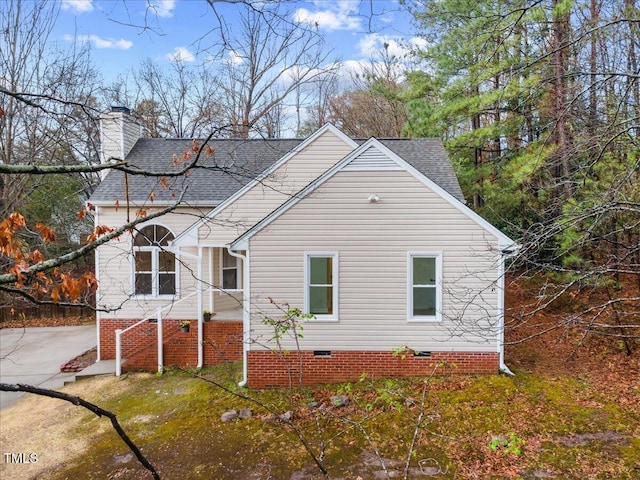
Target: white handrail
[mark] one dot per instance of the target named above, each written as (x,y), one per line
(158,315)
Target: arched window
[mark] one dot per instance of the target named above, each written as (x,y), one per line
(155,267)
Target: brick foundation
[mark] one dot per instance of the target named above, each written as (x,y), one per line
(222,343)
(268,369)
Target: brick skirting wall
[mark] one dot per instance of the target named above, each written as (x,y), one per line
(222,343)
(269,369)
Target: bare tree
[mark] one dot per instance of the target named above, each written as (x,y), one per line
(265,61)
(46,101)
(321,92)
(181,102)
(539,102)
(375,107)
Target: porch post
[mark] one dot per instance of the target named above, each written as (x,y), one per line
(210,292)
(118,352)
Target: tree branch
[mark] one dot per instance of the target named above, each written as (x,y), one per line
(69,257)
(100,412)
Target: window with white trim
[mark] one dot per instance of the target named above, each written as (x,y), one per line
(424,286)
(230,271)
(154,266)
(321,285)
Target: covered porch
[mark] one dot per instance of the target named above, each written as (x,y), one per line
(211,302)
(221,283)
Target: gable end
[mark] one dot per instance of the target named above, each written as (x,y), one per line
(372,159)
(375,149)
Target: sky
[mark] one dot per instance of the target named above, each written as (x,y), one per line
(123,33)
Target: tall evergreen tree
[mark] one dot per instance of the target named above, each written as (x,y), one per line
(539,104)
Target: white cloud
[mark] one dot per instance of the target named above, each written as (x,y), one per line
(418,42)
(373,44)
(180,54)
(78,6)
(98,42)
(352,68)
(334,16)
(235,58)
(162,8)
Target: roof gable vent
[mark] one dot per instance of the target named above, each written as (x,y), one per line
(372,159)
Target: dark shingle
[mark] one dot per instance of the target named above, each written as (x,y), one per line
(428,156)
(235,162)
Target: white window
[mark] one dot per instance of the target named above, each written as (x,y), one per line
(321,285)
(424,286)
(230,271)
(154,266)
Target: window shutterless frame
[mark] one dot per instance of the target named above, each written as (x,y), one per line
(230,269)
(154,268)
(321,285)
(424,286)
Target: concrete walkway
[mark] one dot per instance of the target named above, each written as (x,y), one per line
(34,355)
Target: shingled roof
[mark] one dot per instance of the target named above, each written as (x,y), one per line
(234,163)
(215,178)
(428,156)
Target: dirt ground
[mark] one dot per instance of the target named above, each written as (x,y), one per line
(55,418)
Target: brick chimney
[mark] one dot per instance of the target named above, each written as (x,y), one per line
(118,133)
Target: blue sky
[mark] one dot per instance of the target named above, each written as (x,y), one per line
(174,28)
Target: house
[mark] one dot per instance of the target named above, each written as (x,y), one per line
(370,239)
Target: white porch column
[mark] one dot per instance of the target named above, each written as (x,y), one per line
(212,263)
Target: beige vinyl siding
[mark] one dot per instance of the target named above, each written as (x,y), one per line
(115,269)
(223,300)
(274,190)
(373,240)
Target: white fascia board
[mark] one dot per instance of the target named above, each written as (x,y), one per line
(240,244)
(503,240)
(328,127)
(208,244)
(148,204)
(189,240)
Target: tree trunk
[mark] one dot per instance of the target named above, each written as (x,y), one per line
(561,166)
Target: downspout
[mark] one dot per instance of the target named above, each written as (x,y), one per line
(246,291)
(199,303)
(501,282)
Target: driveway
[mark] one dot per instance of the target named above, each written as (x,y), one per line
(34,355)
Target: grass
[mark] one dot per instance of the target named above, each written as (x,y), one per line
(525,426)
